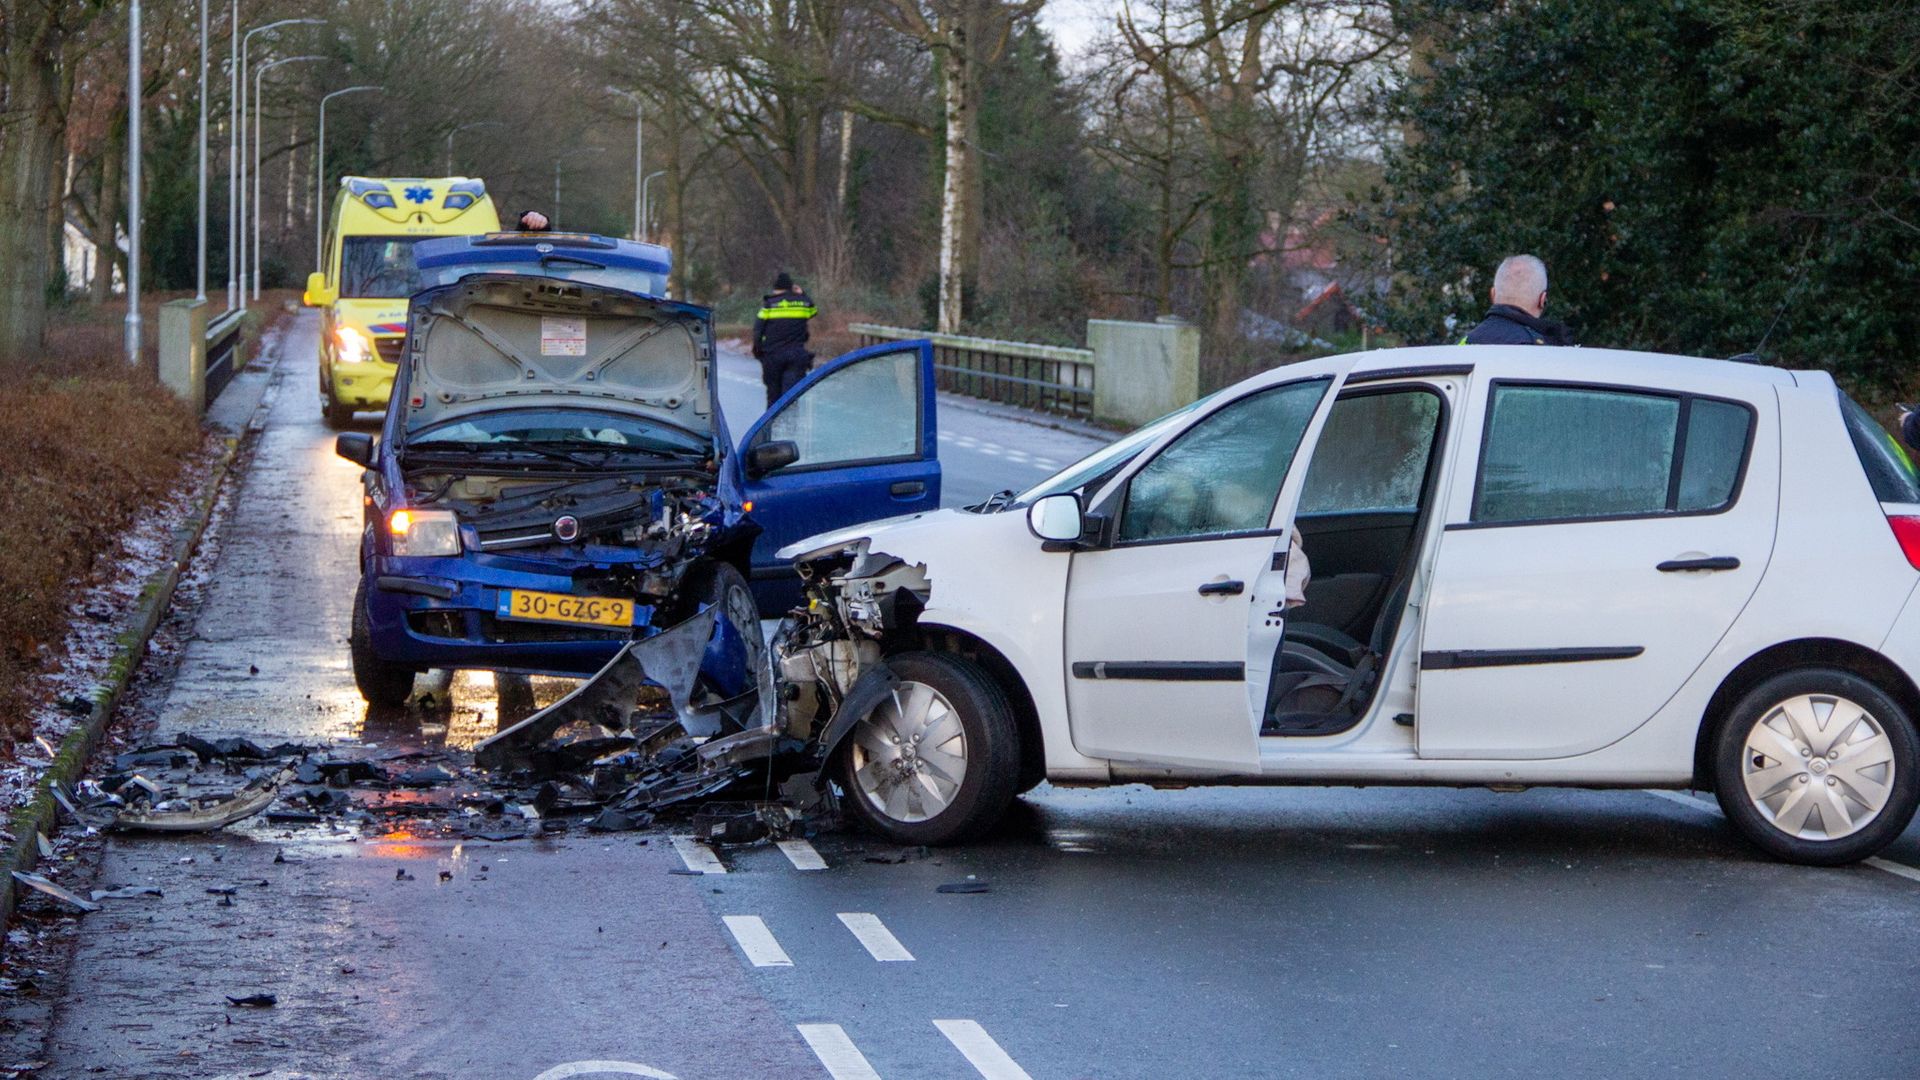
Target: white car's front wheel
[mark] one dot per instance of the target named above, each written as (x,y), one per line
(1818,766)
(937,760)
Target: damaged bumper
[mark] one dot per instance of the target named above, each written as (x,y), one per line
(642,722)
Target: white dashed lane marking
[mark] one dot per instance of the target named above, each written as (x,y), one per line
(802,855)
(994,449)
(1894,868)
(1878,863)
(873,934)
(980,1050)
(751,934)
(699,857)
(836,1051)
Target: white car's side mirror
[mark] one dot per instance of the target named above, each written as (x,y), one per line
(1056,518)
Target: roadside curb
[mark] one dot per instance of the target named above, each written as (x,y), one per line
(130,648)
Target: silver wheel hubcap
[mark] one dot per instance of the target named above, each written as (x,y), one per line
(1818,767)
(910,754)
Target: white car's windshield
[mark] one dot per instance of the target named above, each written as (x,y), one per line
(1108,458)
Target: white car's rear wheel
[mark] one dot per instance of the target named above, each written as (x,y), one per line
(936,761)
(1818,766)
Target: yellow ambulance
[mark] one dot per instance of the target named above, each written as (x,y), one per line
(367,273)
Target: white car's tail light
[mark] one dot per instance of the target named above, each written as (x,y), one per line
(424,532)
(1907,531)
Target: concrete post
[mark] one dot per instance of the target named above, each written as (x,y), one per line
(183,351)
(1143,370)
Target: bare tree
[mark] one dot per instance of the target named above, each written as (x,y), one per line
(39,40)
(965,36)
(1256,77)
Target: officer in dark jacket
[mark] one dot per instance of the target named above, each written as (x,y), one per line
(780,336)
(1519,297)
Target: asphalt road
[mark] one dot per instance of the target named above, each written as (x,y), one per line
(1122,933)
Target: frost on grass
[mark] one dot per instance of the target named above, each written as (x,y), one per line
(101,611)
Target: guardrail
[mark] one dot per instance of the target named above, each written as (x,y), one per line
(1047,378)
(222,350)
(199,355)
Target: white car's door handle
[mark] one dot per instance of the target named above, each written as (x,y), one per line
(1223,588)
(1717,562)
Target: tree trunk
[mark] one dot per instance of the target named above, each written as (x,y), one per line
(1228,227)
(29,163)
(957,96)
(106,246)
(846,164)
(293,170)
(1169,232)
(974,183)
(673,133)
(56,233)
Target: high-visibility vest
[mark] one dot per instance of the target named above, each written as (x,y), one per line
(789,307)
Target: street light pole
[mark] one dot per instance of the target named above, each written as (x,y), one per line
(240,130)
(320,172)
(134,105)
(461,128)
(646,202)
(259,125)
(200,258)
(639,146)
(234,81)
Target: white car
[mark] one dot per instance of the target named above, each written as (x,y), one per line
(1530,566)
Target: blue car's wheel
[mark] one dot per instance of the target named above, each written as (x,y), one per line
(380,682)
(733,663)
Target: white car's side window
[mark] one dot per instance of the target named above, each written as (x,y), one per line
(1563,453)
(1222,475)
(1373,453)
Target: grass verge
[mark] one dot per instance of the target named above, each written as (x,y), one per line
(91,443)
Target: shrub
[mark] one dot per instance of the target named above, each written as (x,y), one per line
(90,444)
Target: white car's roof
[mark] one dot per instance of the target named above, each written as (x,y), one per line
(1560,362)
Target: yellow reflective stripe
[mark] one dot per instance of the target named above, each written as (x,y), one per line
(787,311)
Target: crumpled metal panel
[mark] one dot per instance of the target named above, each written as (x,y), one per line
(670,660)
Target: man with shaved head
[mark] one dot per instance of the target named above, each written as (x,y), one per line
(1519,299)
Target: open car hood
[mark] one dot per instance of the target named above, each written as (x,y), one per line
(498,341)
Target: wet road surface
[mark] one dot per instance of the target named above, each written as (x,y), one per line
(1122,933)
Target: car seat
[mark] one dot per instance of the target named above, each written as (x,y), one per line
(1323,678)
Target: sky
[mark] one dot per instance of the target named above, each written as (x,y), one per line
(1075,22)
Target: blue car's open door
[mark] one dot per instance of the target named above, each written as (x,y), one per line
(862,447)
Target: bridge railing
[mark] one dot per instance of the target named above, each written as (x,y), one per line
(1045,378)
(199,351)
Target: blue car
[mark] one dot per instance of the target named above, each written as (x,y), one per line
(555,476)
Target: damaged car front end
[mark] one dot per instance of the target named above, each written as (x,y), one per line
(640,720)
(549,486)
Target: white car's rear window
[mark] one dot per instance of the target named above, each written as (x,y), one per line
(1887,465)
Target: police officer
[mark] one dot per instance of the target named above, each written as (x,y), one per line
(780,336)
(1519,298)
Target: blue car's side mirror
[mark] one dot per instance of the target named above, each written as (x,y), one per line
(769,456)
(355,446)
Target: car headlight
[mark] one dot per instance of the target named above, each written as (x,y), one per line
(424,532)
(355,346)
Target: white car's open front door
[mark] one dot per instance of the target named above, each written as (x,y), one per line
(1158,608)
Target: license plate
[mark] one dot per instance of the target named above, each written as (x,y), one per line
(530,606)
